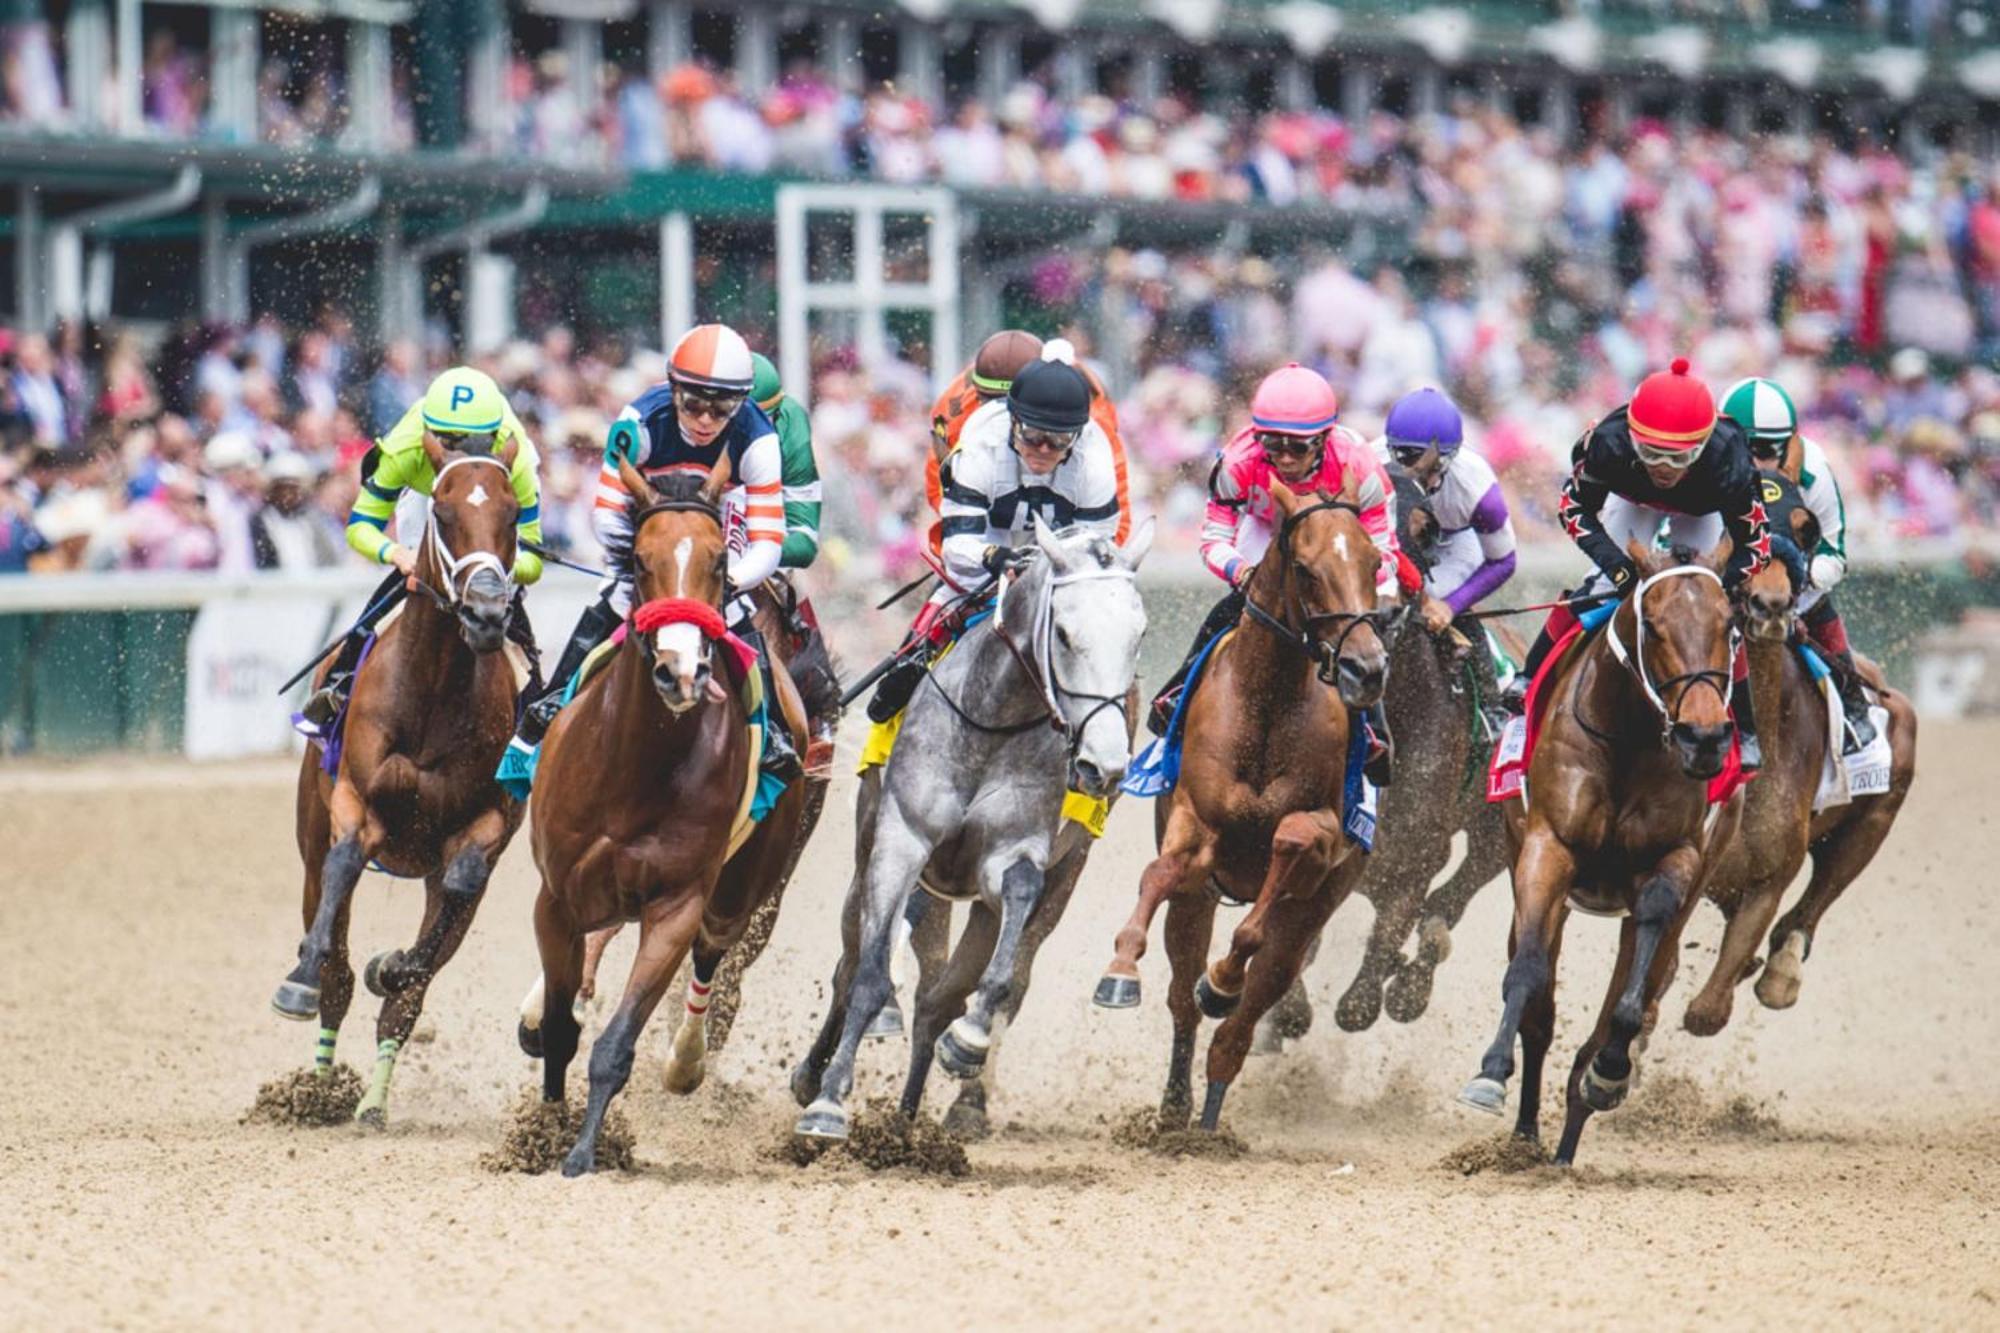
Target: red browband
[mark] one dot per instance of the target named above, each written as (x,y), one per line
(663,611)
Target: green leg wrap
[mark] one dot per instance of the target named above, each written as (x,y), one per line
(374,1107)
(323,1052)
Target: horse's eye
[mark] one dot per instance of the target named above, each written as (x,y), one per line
(1062,635)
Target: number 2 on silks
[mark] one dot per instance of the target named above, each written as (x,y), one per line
(623,442)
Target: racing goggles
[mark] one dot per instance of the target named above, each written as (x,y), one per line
(1410,456)
(1279,445)
(707,404)
(1662,456)
(1044,441)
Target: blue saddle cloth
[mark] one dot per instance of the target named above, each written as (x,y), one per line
(1157,769)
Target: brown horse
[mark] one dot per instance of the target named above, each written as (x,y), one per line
(428,718)
(1257,814)
(640,783)
(1779,827)
(1617,823)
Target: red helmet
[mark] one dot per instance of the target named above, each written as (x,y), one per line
(1293,400)
(1672,411)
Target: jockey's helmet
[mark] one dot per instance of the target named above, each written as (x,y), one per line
(1765,411)
(1294,400)
(712,357)
(464,401)
(1671,415)
(765,389)
(1002,357)
(1424,430)
(1050,396)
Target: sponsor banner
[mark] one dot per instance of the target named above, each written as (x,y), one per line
(239,652)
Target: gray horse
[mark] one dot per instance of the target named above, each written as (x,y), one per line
(1031,702)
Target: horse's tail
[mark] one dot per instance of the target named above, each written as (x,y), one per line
(394,789)
(816,673)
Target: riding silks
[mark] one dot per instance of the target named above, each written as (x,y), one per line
(1157,769)
(1089,811)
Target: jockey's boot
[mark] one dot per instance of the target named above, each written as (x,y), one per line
(593,627)
(1219,618)
(1379,765)
(1741,704)
(929,633)
(1853,699)
(781,758)
(325,703)
(1515,697)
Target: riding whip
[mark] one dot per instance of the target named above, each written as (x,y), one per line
(383,601)
(550,557)
(1573,603)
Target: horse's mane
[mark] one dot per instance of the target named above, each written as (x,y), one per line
(681,486)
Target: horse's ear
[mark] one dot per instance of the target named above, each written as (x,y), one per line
(636,484)
(1644,556)
(718,481)
(1282,497)
(506,453)
(1045,538)
(1350,489)
(1135,547)
(1718,559)
(435,451)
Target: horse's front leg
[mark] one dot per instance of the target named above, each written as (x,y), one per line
(1294,923)
(1409,991)
(899,854)
(942,992)
(1664,900)
(1302,852)
(1735,960)
(298,995)
(1015,878)
(1542,879)
(1169,872)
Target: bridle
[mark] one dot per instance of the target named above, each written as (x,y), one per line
(1302,637)
(1038,661)
(646,617)
(1720,679)
(459,570)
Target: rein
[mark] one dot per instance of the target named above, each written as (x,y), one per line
(1721,680)
(452,599)
(1302,637)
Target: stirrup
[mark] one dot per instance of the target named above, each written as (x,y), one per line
(1160,714)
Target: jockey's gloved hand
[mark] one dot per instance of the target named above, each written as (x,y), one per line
(997,560)
(1244,573)
(1622,574)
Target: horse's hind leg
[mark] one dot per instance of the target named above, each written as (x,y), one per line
(943,992)
(963,1047)
(665,932)
(554,1032)
(1190,926)
(298,994)
(1396,885)
(1295,921)
(1409,992)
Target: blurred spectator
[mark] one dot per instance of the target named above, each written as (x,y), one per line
(284,532)
(395,386)
(35,388)
(233,495)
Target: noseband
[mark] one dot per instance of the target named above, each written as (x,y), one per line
(645,617)
(458,570)
(1328,654)
(1721,680)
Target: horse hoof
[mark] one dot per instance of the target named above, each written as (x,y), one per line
(961,1050)
(372,1117)
(1705,1020)
(888,1022)
(1487,1095)
(1213,1002)
(296,1000)
(682,1082)
(1264,1039)
(530,1039)
(1116,992)
(1779,987)
(805,1083)
(1603,1094)
(966,1121)
(578,1163)
(824,1121)
(1358,1009)
(371,975)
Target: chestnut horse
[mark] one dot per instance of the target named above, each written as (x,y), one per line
(639,786)
(1779,827)
(1617,823)
(430,713)
(1257,814)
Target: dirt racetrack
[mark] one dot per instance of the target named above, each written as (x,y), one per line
(1835,1164)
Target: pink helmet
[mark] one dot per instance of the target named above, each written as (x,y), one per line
(1294,401)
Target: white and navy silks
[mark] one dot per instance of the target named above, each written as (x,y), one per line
(1475,544)
(1827,565)
(753,510)
(990,499)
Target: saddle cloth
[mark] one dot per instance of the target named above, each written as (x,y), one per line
(1845,776)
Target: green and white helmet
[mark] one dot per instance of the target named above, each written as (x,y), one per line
(1765,412)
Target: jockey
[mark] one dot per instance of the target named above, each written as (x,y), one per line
(1002,357)
(1036,452)
(1475,546)
(801,470)
(1292,437)
(699,414)
(464,410)
(1663,458)
(1765,412)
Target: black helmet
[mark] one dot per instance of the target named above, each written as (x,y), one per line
(1050,395)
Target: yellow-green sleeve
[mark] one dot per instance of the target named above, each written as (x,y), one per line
(526,474)
(375,506)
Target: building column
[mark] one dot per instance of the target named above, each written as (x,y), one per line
(1295,89)
(583,51)
(130,109)
(30,271)
(1149,73)
(233,60)
(999,64)
(920,61)
(677,296)
(669,35)
(1357,91)
(461,64)
(1559,107)
(368,85)
(1427,89)
(756,51)
(87,39)
(215,278)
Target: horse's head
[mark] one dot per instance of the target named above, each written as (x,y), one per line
(467,560)
(1416,521)
(1094,626)
(1329,565)
(1770,594)
(1679,626)
(678,564)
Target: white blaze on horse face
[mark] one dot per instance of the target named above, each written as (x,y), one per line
(478,496)
(1340,544)
(682,550)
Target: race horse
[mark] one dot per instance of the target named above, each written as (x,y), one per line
(1780,828)
(1258,812)
(1618,821)
(1034,701)
(641,792)
(412,790)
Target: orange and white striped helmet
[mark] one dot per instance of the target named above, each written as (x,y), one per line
(712,356)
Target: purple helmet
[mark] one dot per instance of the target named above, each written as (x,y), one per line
(1422,419)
